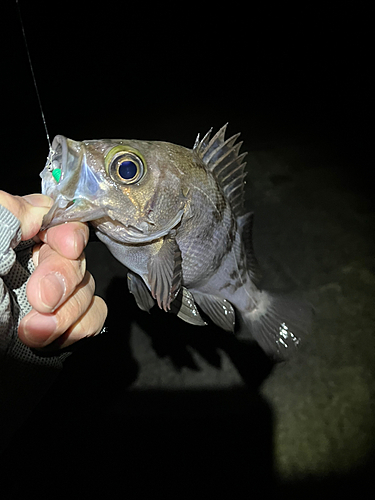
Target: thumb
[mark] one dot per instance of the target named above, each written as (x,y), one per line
(28,209)
(38,200)
(34,207)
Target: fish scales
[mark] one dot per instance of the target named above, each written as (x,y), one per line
(175,218)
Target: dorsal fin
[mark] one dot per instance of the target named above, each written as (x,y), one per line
(221,157)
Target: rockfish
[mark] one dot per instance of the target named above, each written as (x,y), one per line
(175,218)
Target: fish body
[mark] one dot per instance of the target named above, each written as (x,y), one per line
(175,218)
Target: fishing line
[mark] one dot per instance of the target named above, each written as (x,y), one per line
(33,75)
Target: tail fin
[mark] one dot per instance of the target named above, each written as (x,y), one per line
(279,324)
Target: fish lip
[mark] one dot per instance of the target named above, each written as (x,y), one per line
(65,155)
(60,140)
(51,218)
(51,185)
(57,157)
(75,189)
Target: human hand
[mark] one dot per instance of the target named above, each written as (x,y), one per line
(60,290)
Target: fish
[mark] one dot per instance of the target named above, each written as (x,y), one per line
(176,218)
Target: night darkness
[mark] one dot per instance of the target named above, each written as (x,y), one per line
(149,73)
(296,84)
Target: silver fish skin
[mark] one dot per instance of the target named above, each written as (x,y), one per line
(175,218)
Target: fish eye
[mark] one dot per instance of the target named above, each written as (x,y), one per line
(126,167)
(127,170)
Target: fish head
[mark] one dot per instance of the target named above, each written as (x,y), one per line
(129,190)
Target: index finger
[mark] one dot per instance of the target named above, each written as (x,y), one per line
(69,239)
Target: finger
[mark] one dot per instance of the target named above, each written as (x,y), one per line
(29,210)
(54,279)
(88,325)
(33,209)
(39,330)
(68,239)
(38,200)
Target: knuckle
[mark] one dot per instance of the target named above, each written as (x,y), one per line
(92,322)
(88,325)
(74,307)
(45,251)
(73,270)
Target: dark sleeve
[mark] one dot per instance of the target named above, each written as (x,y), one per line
(25,375)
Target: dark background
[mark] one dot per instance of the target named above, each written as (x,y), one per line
(148,71)
(289,80)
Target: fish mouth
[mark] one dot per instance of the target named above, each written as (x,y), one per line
(63,161)
(73,186)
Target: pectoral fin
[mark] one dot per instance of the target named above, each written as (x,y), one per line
(165,272)
(219,310)
(141,293)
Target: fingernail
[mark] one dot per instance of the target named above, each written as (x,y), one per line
(80,239)
(38,328)
(52,290)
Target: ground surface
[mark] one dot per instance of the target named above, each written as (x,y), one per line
(175,401)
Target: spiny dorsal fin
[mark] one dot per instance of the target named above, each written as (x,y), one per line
(221,157)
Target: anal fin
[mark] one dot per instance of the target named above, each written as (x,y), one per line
(219,310)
